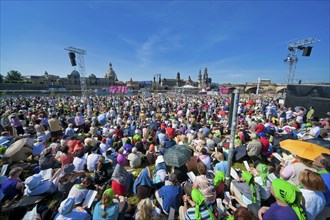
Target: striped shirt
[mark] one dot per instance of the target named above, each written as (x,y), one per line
(190,214)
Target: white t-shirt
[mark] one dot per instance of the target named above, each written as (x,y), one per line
(314,202)
(104,148)
(79,163)
(92,160)
(78,194)
(134,159)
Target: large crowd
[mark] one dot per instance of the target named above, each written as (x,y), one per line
(159,157)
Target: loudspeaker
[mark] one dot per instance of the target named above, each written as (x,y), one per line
(307,51)
(72,56)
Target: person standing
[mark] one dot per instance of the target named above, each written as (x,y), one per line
(55,127)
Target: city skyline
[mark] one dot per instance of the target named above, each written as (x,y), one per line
(238,41)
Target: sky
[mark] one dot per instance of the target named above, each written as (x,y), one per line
(238,41)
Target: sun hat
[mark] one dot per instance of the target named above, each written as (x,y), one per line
(33,181)
(66,206)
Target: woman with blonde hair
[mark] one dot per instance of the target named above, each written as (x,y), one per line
(312,190)
(146,210)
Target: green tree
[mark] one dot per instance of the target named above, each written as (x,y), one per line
(1,78)
(13,76)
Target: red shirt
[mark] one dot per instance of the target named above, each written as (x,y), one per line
(66,159)
(259,128)
(265,144)
(72,144)
(170,132)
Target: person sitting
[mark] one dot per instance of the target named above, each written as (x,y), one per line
(79,161)
(134,158)
(13,185)
(245,190)
(121,180)
(205,158)
(92,159)
(143,186)
(254,147)
(169,196)
(287,205)
(146,210)
(291,172)
(69,132)
(68,179)
(121,157)
(151,154)
(312,191)
(35,186)
(79,191)
(68,211)
(198,208)
(38,147)
(47,159)
(110,207)
(205,184)
(221,163)
(66,157)
(261,173)
(102,171)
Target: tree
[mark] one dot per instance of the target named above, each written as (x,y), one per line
(1,78)
(13,76)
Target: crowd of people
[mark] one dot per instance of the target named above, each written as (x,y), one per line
(117,147)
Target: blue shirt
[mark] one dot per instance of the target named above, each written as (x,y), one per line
(38,148)
(326,179)
(74,214)
(111,210)
(171,197)
(222,165)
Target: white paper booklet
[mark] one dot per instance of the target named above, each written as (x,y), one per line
(234,174)
(89,198)
(191,176)
(247,167)
(4,169)
(271,177)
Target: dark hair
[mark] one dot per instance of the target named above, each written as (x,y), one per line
(204,151)
(65,149)
(201,168)
(242,213)
(326,161)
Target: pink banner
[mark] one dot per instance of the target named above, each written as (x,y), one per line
(224,90)
(118,89)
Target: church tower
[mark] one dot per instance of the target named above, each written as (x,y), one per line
(200,83)
(111,75)
(178,79)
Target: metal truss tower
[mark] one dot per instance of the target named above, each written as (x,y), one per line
(81,69)
(292,57)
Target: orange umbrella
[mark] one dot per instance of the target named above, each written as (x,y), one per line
(303,149)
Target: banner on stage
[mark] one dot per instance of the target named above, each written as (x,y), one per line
(118,89)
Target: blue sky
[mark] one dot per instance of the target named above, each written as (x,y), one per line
(238,41)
